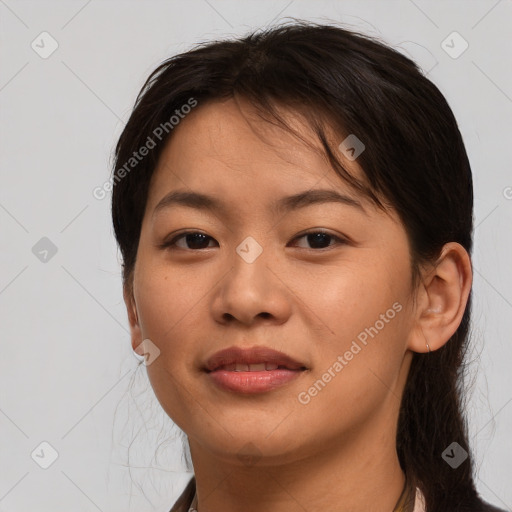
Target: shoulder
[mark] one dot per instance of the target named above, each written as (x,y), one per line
(185,499)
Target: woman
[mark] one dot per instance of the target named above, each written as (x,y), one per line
(294,212)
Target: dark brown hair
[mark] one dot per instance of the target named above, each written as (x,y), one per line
(414,160)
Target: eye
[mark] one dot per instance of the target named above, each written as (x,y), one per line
(320,239)
(192,240)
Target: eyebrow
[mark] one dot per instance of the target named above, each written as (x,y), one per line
(285,204)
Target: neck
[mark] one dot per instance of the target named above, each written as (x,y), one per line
(360,474)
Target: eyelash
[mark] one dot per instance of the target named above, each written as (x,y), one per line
(172,243)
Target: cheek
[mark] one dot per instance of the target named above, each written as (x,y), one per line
(168,302)
(355,380)
(348,298)
(164,296)
(358,362)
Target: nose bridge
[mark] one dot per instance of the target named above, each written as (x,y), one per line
(250,288)
(249,273)
(250,250)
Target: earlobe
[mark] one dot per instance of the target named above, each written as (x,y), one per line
(442,299)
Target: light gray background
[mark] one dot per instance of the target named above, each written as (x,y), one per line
(66,362)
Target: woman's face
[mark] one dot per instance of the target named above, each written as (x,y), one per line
(338,303)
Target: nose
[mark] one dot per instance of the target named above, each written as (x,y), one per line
(251,291)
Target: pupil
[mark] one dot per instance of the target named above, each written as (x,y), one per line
(195,237)
(316,238)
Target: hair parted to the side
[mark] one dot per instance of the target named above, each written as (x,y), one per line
(414,161)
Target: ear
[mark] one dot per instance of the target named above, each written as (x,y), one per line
(133,318)
(441,299)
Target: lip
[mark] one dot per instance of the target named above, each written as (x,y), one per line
(256,381)
(254,355)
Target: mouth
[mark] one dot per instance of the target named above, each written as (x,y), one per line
(256,359)
(255,370)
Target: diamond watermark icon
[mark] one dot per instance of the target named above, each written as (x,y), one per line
(44,455)
(148,350)
(44,45)
(44,250)
(351,147)
(454,455)
(249,250)
(454,45)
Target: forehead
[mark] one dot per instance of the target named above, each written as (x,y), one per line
(226,144)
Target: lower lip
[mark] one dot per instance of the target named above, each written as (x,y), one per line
(253,382)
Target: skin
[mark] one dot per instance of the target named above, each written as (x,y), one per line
(336,452)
